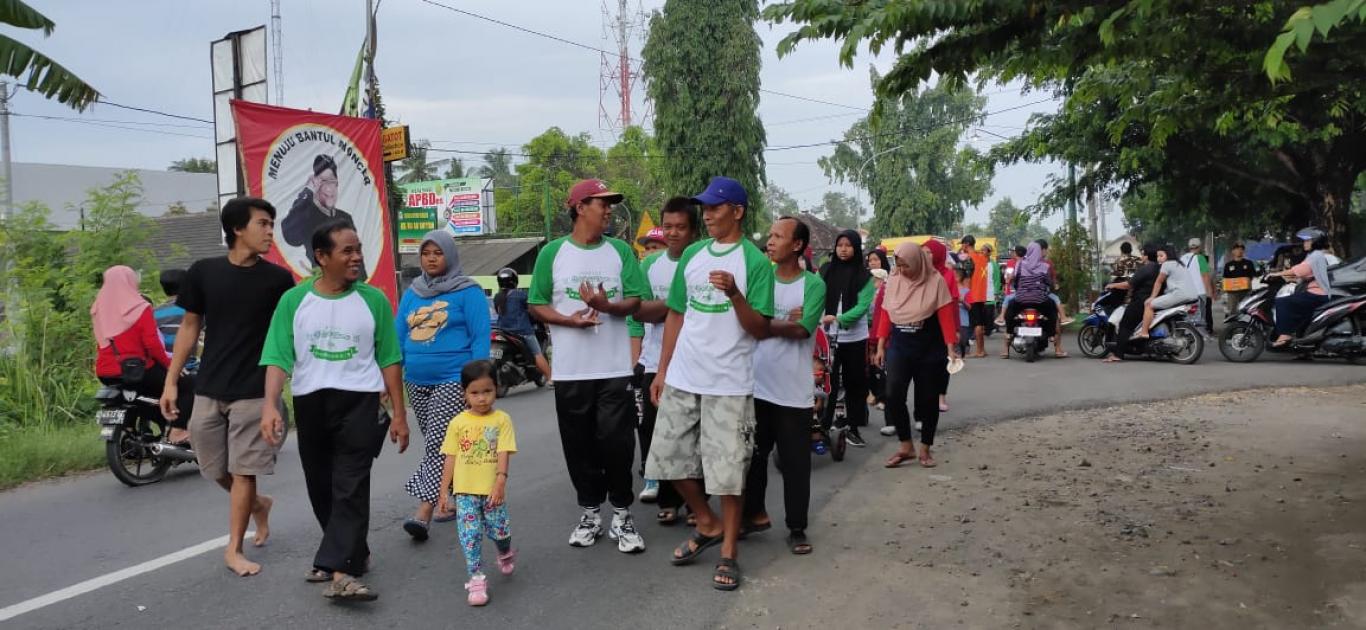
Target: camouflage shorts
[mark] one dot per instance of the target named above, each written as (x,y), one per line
(699,436)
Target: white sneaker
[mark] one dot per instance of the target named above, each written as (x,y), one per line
(587,531)
(624,532)
(887,431)
(650,493)
(918,425)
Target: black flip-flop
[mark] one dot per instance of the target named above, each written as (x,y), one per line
(726,567)
(797,543)
(702,542)
(415,528)
(754,528)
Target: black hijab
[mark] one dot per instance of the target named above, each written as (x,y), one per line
(845,278)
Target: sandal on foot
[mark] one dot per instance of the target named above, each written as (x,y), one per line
(754,528)
(350,589)
(417,529)
(899,458)
(507,562)
(667,516)
(318,576)
(797,544)
(1061,355)
(927,461)
(726,568)
(686,553)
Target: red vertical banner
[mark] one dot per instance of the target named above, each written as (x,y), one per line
(314,168)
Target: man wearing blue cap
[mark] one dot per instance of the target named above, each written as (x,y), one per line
(719,307)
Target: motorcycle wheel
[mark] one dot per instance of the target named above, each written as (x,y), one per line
(1242,342)
(1031,352)
(501,390)
(1091,340)
(129,454)
(837,448)
(1194,343)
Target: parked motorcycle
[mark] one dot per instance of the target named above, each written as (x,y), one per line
(134,432)
(514,362)
(1336,329)
(1029,339)
(1172,336)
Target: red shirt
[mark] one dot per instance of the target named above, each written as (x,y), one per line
(142,340)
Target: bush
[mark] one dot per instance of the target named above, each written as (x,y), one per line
(1073,257)
(47,351)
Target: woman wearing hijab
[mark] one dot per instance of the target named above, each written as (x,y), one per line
(938,254)
(443,323)
(1033,281)
(125,329)
(917,331)
(849,294)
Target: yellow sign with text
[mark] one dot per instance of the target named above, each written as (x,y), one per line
(394,140)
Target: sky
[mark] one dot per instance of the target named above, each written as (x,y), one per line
(460,82)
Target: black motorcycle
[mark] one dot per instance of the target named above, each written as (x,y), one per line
(135,433)
(1336,329)
(515,363)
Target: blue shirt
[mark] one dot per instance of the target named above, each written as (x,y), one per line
(515,318)
(440,334)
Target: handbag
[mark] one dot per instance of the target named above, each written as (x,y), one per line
(132,369)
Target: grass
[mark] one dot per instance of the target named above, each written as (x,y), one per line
(39,452)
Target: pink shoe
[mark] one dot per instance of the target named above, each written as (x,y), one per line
(478,589)
(506,562)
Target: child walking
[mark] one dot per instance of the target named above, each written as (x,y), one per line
(479,442)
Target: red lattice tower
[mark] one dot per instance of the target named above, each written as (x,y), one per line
(619,75)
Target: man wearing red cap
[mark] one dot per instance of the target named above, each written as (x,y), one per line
(719,306)
(583,287)
(653,241)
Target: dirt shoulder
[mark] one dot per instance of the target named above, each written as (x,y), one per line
(1242,510)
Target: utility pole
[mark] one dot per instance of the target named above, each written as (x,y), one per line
(5,95)
(277,49)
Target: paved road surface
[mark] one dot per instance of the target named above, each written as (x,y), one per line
(61,533)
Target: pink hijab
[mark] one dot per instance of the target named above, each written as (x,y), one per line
(916,290)
(118,305)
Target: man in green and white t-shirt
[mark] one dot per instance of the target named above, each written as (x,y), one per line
(583,287)
(678,222)
(334,337)
(784,395)
(720,302)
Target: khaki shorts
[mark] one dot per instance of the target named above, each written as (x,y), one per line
(227,438)
(699,436)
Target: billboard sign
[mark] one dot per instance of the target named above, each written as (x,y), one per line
(314,168)
(462,205)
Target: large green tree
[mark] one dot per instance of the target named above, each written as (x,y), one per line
(1155,91)
(702,72)
(498,167)
(909,156)
(840,210)
(1012,225)
(194,165)
(45,76)
(555,161)
(634,167)
(416,167)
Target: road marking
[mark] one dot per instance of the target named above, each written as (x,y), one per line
(42,601)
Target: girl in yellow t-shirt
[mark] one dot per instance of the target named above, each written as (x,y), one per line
(479,442)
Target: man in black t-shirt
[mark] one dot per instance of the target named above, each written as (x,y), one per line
(1240,271)
(233,298)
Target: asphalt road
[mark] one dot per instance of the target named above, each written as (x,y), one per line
(61,533)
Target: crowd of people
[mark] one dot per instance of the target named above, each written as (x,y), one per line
(702,352)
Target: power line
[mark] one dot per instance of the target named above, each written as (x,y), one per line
(117,122)
(109,126)
(595,49)
(904,131)
(152,111)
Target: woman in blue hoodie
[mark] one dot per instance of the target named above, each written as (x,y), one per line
(443,323)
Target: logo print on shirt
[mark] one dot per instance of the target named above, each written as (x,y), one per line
(593,279)
(704,298)
(424,323)
(333,345)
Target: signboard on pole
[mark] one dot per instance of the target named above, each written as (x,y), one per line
(238,66)
(462,205)
(314,168)
(395,141)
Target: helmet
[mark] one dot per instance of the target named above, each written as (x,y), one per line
(507,278)
(1315,234)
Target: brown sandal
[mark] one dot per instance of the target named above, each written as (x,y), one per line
(898,458)
(350,589)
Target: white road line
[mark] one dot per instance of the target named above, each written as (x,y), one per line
(10,612)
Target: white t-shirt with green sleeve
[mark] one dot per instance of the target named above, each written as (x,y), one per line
(658,270)
(332,341)
(782,365)
(602,351)
(714,355)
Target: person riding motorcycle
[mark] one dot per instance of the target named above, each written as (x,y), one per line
(1292,311)
(1032,282)
(513,319)
(1171,289)
(131,352)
